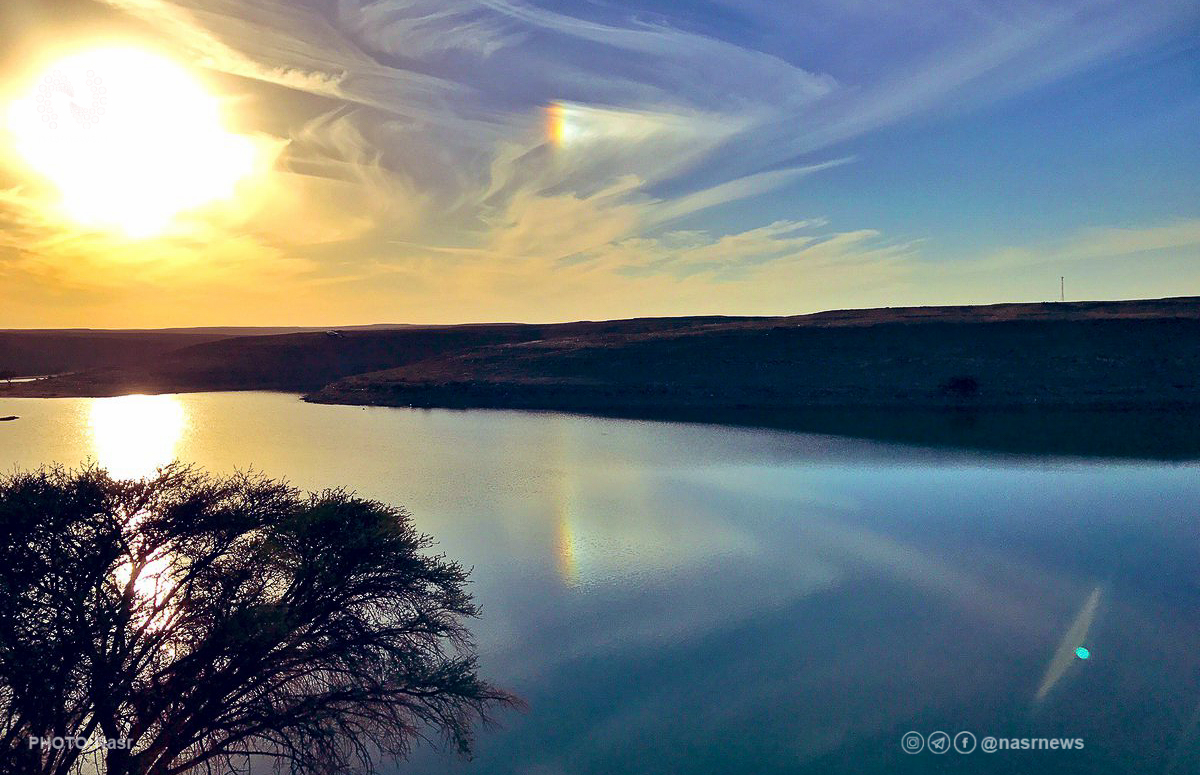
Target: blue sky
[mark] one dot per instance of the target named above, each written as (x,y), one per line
(446,160)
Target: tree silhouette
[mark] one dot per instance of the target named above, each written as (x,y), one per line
(188,624)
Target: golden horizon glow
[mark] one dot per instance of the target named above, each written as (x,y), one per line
(133,436)
(130,140)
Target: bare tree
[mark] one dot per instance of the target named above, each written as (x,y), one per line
(185,624)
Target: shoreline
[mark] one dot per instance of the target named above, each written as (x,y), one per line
(1120,432)
(1126,433)
(932,366)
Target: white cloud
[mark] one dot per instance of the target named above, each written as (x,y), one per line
(429,156)
(1180,237)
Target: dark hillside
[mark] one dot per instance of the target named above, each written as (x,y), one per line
(299,361)
(1139,354)
(34,353)
(1102,362)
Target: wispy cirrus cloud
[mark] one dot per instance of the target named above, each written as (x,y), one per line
(1180,237)
(598,148)
(1097,263)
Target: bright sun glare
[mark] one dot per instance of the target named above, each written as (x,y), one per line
(132,436)
(130,140)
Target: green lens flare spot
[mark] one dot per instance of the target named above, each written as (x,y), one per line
(1082,653)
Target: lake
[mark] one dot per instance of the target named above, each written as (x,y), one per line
(688,599)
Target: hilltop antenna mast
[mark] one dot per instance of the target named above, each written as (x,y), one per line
(1062,288)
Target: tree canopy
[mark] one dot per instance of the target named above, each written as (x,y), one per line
(187,623)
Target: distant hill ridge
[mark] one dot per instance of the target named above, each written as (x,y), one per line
(1104,353)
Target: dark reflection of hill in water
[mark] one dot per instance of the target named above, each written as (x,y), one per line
(1153,435)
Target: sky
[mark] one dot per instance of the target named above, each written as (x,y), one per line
(335,162)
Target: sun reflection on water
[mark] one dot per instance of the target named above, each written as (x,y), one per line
(132,436)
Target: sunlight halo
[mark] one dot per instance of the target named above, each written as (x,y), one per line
(130,140)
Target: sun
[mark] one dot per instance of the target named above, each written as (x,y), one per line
(130,140)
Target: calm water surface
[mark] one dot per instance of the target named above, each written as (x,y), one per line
(694,599)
